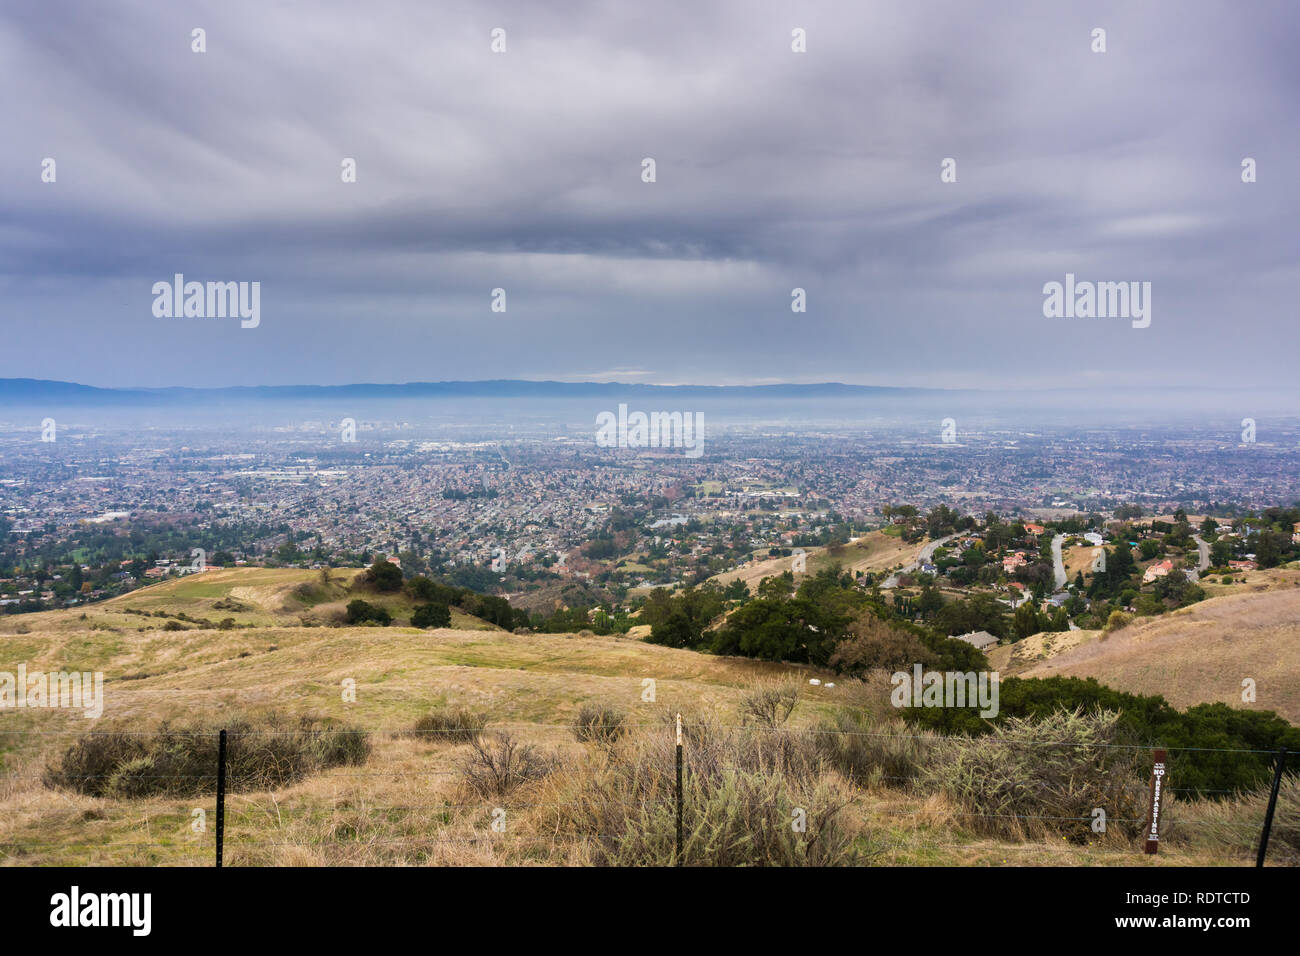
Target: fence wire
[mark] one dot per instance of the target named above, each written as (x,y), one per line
(242,808)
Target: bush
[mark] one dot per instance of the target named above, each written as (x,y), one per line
(132,779)
(872,643)
(1117,620)
(183,762)
(431,615)
(1045,777)
(769,704)
(450,724)
(738,807)
(498,766)
(888,753)
(598,722)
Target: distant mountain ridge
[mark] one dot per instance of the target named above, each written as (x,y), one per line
(27,391)
(32,392)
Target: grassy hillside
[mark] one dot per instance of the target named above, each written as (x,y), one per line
(1199,654)
(873,551)
(408,801)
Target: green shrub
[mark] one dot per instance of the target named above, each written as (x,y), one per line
(1117,621)
(1212,747)
(132,778)
(271,753)
(384,576)
(599,723)
(888,753)
(1044,777)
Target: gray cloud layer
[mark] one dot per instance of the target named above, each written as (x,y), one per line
(522,170)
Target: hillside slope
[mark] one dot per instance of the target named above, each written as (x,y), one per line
(407,802)
(873,551)
(1196,655)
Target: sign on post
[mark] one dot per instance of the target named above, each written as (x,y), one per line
(1157,794)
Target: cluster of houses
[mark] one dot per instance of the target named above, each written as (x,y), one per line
(1013,561)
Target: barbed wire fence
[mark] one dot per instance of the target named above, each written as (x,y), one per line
(213,843)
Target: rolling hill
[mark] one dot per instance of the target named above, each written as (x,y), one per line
(1198,654)
(406,802)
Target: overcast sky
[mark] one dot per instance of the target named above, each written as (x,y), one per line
(522,170)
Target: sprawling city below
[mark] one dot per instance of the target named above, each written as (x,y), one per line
(94,510)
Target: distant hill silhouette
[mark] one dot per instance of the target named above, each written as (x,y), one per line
(27,391)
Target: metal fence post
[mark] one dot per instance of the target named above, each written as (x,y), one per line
(679,790)
(1272,802)
(221,794)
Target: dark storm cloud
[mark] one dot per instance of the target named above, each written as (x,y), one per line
(522,171)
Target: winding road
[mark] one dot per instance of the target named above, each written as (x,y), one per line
(1058,562)
(1204,548)
(923,557)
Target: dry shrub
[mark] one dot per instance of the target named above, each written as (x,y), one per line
(1234,825)
(599,723)
(183,761)
(738,810)
(500,764)
(1036,778)
(759,748)
(453,724)
(769,703)
(871,753)
(871,644)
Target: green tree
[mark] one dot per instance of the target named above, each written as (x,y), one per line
(431,616)
(361,612)
(384,576)
(1026,621)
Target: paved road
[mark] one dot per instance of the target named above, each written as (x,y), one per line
(924,557)
(1058,562)
(1204,548)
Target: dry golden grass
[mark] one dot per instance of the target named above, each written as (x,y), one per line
(407,804)
(873,551)
(1078,559)
(1201,654)
(1014,659)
